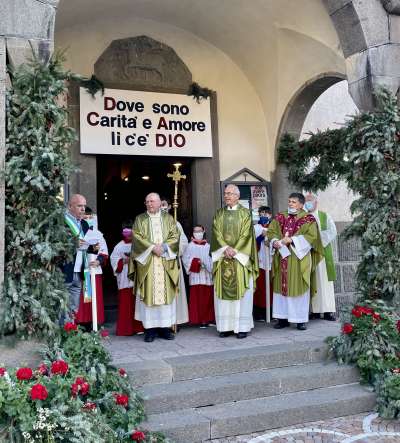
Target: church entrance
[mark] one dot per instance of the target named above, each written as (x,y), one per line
(122,184)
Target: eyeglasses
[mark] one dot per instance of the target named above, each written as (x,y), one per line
(230,193)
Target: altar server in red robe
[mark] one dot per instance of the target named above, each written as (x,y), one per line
(126,323)
(197,262)
(263,286)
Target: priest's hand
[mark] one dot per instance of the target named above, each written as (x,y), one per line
(94,264)
(96,247)
(158,250)
(229,252)
(286,239)
(277,245)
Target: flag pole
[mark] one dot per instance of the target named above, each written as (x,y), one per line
(94,298)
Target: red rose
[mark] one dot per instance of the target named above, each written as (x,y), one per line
(376,317)
(2,371)
(80,380)
(104,333)
(398,325)
(396,370)
(39,392)
(356,311)
(68,327)
(85,387)
(138,436)
(43,369)
(89,406)
(121,399)
(59,367)
(347,328)
(24,374)
(74,389)
(122,372)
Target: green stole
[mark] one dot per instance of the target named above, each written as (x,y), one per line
(328,253)
(87,283)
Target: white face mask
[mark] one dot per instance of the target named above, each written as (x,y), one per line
(309,206)
(292,210)
(198,235)
(164,208)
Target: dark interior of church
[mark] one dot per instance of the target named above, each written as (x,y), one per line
(122,184)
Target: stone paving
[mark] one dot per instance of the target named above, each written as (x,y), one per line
(362,428)
(193,340)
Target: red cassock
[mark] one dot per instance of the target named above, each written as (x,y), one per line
(201,299)
(259,299)
(84,314)
(126,323)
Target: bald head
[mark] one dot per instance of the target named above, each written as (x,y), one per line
(77,205)
(153,202)
(231,195)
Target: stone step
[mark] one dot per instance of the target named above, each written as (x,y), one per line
(224,362)
(208,391)
(248,416)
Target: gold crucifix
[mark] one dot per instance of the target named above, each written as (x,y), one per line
(176,176)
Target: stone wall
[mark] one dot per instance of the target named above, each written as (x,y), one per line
(347,255)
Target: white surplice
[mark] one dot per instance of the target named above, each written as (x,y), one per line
(324,300)
(234,315)
(161,315)
(293,309)
(119,252)
(204,277)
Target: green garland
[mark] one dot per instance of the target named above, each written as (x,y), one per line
(365,153)
(37,166)
(198,92)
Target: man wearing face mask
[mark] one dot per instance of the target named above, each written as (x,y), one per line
(234,254)
(296,248)
(324,301)
(182,312)
(262,285)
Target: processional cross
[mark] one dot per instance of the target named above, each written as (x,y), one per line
(176,176)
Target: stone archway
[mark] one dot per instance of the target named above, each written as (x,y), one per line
(292,122)
(369,36)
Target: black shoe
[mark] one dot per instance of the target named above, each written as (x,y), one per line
(330,316)
(149,335)
(166,334)
(241,335)
(282,323)
(301,326)
(313,316)
(225,334)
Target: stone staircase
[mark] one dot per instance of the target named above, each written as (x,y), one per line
(213,395)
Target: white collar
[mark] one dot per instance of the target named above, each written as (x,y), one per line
(233,208)
(156,215)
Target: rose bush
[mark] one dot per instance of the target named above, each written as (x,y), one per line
(82,397)
(371,339)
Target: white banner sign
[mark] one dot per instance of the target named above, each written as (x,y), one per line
(144,123)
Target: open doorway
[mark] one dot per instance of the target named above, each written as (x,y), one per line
(122,184)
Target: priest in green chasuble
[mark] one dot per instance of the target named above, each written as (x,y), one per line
(154,269)
(296,247)
(324,300)
(235,266)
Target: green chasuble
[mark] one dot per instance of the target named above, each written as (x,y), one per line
(156,279)
(293,277)
(328,252)
(234,228)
